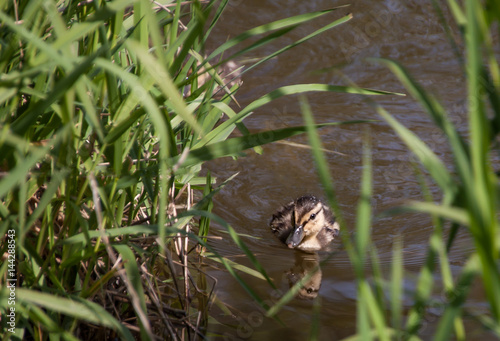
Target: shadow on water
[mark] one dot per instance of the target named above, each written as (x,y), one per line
(407,32)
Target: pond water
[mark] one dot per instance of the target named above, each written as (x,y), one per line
(408,32)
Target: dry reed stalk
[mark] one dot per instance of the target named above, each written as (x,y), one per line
(117,261)
(153,296)
(185,256)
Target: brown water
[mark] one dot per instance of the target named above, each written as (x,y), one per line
(409,33)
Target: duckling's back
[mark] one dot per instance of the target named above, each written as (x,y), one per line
(282,222)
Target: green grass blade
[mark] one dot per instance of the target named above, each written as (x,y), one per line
(113,233)
(235,265)
(75,307)
(457,298)
(239,242)
(300,41)
(437,113)
(481,189)
(426,156)
(134,287)
(48,195)
(165,83)
(454,214)
(236,145)
(21,170)
(276,25)
(285,91)
(374,309)
(396,286)
(364,212)
(458,13)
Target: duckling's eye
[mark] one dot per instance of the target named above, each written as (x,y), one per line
(313,216)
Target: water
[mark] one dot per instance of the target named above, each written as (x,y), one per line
(407,32)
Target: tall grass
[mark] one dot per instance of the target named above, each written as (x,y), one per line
(469,192)
(108,111)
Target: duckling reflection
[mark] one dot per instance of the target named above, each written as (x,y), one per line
(305,264)
(306,224)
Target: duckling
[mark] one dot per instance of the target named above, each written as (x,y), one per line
(306,224)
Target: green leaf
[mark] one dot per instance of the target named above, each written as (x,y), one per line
(73,306)
(236,145)
(426,156)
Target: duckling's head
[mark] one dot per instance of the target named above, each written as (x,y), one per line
(309,218)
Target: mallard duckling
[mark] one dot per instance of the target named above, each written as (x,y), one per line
(306,224)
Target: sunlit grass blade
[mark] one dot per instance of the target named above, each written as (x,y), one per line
(490,324)
(454,214)
(449,33)
(276,25)
(374,309)
(147,229)
(480,189)
(457,12)
(145,97)
(457,298)
(363,320)
(300,41)
(48,51)
(235,145)
(373,303)
(396,286)
(247,252)
(364,211)
(426,156)
(475,204)
(235,265)
(22,123)
(285,91)
(134,287)
(438,114)
(373,334)
(227,263)
(19,173)
(165,83)
(230,230)
(322,168)
(425,282)
(112,233)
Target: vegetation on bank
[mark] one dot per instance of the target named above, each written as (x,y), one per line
(108,111)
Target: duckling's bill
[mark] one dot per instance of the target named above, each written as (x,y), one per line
(295,237)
